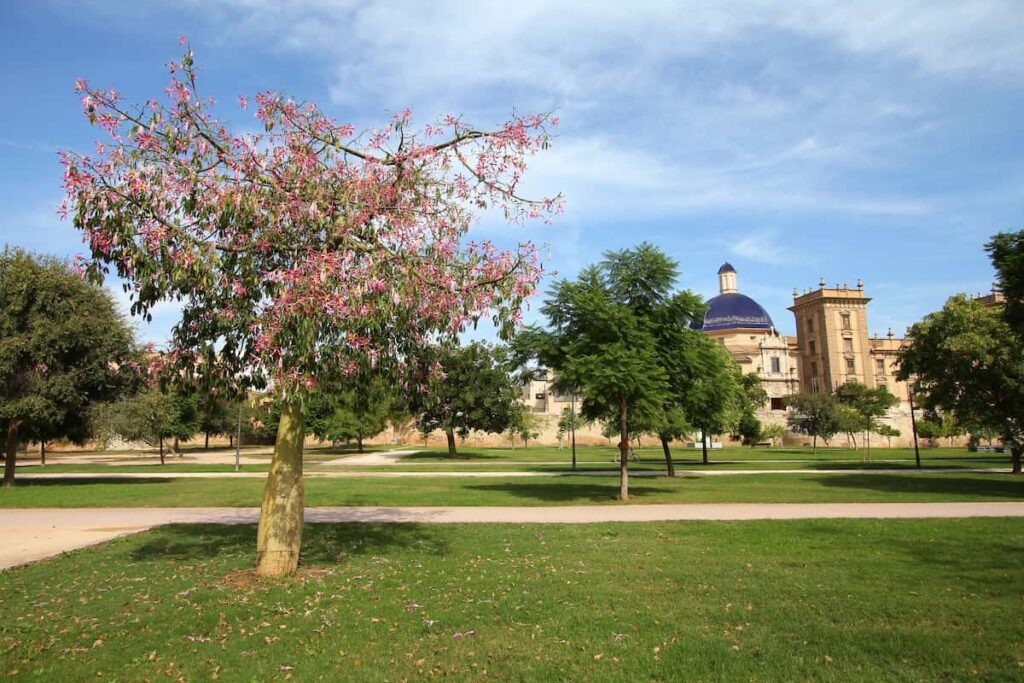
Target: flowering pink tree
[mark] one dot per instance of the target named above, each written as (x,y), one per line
(301,254)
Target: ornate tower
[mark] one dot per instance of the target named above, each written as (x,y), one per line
(832,337)
(727,279)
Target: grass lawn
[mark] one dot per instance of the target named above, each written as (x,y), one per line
(561,490)
(836,600)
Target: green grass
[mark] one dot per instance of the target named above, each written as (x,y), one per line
(836,600)
(561,490)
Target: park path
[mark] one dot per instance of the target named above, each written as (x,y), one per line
(35,534)
(428,474)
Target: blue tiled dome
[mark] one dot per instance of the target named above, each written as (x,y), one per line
(735,311)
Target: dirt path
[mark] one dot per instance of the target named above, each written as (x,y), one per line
(36,534)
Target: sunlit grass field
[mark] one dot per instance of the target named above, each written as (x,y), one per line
(838,600)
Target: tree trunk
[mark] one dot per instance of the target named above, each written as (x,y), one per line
(1014,459)
(161,450)
(623,451)
(704,445)
(12,451)
(668,457)
(279,536)
(42,453)
(359,442)
(231,440)
(177,447)
(206,441)
(814,445)
(450,433)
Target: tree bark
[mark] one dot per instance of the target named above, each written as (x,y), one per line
(42,453)
(12,451)
(161,450)
(623,450)
(206,441)
(359,444)
(814,445)
(450,433)
(668,457)
(1014,459)
(704,445)
(279,536)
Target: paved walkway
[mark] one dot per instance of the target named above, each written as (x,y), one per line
(35,534)
(335,474)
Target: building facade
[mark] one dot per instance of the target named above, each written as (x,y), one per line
(832,346)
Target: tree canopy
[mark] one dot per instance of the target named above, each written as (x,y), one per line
(304,253)
(64,347)
(813,414)
(967,359)
(475,392)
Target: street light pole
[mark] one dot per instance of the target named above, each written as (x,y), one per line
(573,427)
(238,440)
(913,427)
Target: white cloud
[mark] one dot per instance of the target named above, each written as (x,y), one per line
(761,247)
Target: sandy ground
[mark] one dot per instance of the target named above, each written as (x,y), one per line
(34,534)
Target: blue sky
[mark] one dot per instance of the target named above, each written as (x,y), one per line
(798,139)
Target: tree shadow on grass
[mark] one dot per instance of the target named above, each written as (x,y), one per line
(440,456)
(993,486)
(556,492)
(321,543)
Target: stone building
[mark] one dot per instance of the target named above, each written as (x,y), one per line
(832,346)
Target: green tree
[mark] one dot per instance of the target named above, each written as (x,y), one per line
(568,422)
(476,394)
(63,348)
(748,428)
(774,433)
(930,430)
(1006,250)
(849,422)
(604,349)
(150,417)
(888,432)
(870,405)
(215,416)
(968,359)
(711,401)
(750,396)
(356,412)
(815,415)
(524,424)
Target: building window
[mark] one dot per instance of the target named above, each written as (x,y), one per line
(810,324)
(880,366)
(845,318)
(849,365)
(847,345)
(777,404)
(540,396)
(776,365)
(814,369)
(810,346)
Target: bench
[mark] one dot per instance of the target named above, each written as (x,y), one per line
(763,444)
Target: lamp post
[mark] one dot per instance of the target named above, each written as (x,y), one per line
(913,426)
(572,427)
(238,440)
